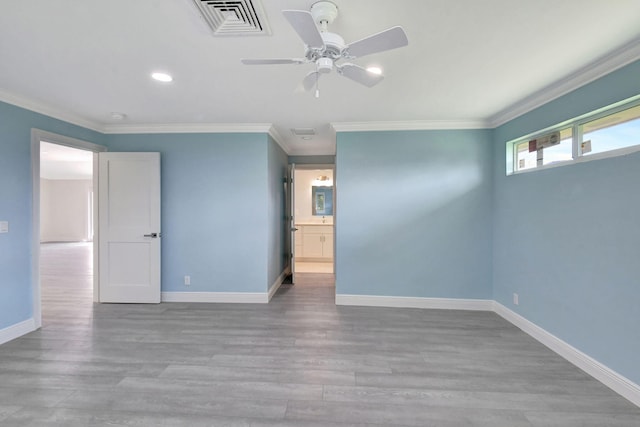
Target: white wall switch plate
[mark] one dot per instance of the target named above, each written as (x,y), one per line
(4,226)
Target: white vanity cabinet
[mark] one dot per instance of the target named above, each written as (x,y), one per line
(314,242)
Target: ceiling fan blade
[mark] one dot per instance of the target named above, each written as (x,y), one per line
(391,38)
(360,75)
(302,21)
(272,61)
(310,80)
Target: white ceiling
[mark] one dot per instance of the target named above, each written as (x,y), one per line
(467,64)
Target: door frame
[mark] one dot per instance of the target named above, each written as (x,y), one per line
(290,213)
(38,135)
(323,166)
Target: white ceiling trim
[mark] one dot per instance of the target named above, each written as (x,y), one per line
(47,110)
(313,152)
(200,128)
(409,125)
(273,132)
(625,55)
(188,128)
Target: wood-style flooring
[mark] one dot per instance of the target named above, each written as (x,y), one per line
(299,361)
(314,267)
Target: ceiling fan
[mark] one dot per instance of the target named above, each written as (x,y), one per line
(326,50)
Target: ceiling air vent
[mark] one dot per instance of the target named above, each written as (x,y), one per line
(304,133)
(234,18)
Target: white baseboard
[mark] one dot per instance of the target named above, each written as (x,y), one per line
(415,302)
(19,329)
(276,285)
(616,382)
(222,297)
(227,297)
(314,259)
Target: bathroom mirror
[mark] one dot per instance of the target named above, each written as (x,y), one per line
(321,200)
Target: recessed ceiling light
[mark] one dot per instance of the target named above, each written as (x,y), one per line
(162,77)
(374,70)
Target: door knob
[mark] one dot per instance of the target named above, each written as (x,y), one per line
(153,235)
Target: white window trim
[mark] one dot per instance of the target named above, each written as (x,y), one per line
(576,125)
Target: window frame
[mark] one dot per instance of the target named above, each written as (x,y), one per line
(576,124)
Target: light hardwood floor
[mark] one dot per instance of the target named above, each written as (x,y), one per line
(314,267)
(299,361)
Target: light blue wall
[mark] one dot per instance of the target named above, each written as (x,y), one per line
(15,204)
(567,238)
(278,249)
(214,209)
(413,213)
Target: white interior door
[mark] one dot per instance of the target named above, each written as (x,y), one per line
(129,227)
(292,217)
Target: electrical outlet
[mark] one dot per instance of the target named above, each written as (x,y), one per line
(187,280)
(516,300)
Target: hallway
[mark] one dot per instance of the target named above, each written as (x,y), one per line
(66,274)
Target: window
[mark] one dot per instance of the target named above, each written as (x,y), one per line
(618,130)
(526,158)
(614,130)
(561,152)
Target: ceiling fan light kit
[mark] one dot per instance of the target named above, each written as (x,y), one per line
(325,65)
(326,50)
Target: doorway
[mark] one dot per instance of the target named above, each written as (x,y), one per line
(314,219)
(63,224)
(66,229)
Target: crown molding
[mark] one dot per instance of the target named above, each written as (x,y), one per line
(273,132)
(187,128)
(616,59)
(330,151)
(48,110)
(409,125)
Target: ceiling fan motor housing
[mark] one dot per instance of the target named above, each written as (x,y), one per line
(333,48)
(334,45)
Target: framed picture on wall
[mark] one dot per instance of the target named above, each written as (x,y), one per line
(322,200)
